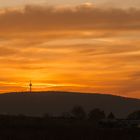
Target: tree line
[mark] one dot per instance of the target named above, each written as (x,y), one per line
(96,114)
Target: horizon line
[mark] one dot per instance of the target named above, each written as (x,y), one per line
(72,92)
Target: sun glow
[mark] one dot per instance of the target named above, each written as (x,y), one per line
(88,50)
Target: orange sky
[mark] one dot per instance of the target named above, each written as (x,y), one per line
(82,48)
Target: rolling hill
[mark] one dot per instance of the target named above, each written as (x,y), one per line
(39,103)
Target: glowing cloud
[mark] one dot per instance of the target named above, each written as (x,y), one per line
(81,48)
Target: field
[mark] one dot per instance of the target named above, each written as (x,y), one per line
(33,128)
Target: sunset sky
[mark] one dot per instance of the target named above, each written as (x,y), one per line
(87,46)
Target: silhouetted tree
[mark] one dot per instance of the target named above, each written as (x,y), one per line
(47,116)
(78,112)
(96,114)
(66,115)
(111,116)
(134,116)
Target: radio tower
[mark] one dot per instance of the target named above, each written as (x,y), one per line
(30,86)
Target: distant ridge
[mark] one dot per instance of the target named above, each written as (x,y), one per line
(68,92)
(57,102)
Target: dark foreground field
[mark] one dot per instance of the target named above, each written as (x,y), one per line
(28,128)
(68,133)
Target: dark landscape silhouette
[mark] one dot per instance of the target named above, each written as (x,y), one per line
(56,103)
(68,116)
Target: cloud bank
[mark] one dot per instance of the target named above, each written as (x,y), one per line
(38,18)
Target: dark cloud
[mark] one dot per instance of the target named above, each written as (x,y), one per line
(36,18)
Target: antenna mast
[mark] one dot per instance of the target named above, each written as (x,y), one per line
(30,86)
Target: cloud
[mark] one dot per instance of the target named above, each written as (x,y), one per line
(120,3)
(96,48)
(39,18)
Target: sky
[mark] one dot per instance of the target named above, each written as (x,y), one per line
(85,46)
(106,3)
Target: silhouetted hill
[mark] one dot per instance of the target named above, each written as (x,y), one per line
(56,103)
